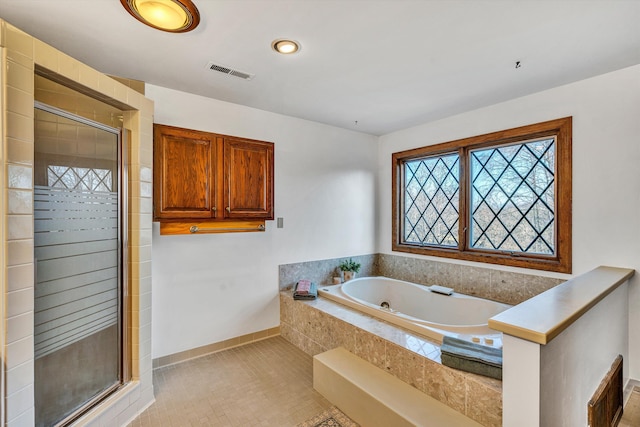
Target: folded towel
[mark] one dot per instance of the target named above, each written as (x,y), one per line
(471,357)
(302,291)
(303,287)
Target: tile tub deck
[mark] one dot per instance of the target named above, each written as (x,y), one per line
(321,325)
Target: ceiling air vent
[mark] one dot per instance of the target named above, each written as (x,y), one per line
(230,71)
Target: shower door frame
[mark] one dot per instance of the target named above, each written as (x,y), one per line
(124,303)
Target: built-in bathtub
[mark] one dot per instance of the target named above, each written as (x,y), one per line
(417,308)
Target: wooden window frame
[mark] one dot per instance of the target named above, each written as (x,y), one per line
(560,262)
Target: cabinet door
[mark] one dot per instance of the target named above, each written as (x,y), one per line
(248,178)
(184,185)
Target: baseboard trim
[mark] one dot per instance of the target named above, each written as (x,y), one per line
(183,356)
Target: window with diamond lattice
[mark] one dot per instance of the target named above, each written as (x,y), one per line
(431,200)
(501,198)
(513,198)
(76,178)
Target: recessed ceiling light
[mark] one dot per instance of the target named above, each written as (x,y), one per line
(175,16)
(285,46)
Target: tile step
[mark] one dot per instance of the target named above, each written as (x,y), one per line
(372,397)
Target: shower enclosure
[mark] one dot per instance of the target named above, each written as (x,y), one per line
(80,241)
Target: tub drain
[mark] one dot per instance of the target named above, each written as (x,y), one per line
(385,305)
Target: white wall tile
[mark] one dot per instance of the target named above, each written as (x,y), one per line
(19,151)
(19,227)
(19,126)
(19,99)
(19,352)
(19,277)
(127,415)
(20,302)
(145,285)
(20,402)
(19,77)
(19,41)
(20,202)
(26,419)
(145,304)
(19,377)
(20,177)
(44,55)
(20,252)
(146,174)
(19,327)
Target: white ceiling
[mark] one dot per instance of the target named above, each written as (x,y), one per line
(387,64)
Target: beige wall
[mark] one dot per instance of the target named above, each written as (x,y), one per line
(20,55)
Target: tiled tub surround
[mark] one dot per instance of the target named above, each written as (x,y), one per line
(323,271)
(502,286)
(320,325)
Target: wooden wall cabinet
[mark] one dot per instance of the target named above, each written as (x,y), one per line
(209,177)
(247,178)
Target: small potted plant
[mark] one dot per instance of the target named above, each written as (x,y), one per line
(349,269)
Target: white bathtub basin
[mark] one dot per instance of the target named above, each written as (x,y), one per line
(416,308)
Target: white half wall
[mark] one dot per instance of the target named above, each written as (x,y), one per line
(606,155)
(574,363)
(209,288)
(520,382)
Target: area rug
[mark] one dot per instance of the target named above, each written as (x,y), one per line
(332,417)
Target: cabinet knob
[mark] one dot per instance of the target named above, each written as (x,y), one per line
(214,209)
(228,209)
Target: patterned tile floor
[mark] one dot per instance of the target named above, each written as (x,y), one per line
(267,383)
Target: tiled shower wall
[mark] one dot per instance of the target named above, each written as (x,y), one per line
(497,285)
(20,55)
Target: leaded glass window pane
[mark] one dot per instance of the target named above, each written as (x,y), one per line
(77,178)
(513,197)
(431,200)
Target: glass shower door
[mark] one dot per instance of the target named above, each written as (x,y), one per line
(78,257)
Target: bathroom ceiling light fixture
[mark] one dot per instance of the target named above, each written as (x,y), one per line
(174,16)
(285,46)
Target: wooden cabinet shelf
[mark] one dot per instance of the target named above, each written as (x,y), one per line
(205,177)
(208,227)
